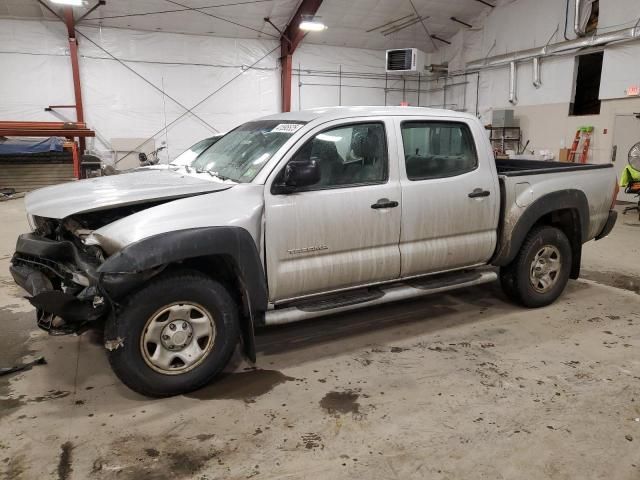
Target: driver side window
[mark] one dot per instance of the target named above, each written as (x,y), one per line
(347,155)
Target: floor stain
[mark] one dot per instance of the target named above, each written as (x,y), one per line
(52,395)
(311,441)
(242,385)
(127,458)
(341,402)
(15,467)
(186,462)
(13,348)
(613,279)
(398,349)
(64,465)
(152,452)
(9,405)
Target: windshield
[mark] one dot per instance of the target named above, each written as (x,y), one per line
(189,155)
(242,153)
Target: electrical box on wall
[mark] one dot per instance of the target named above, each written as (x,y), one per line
(405,60)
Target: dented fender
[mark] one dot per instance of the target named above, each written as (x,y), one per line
(134,264)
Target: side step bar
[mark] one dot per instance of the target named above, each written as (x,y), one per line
(338,303)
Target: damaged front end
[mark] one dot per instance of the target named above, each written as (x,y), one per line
(62,273)
(62,279)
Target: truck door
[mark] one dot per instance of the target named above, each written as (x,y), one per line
(344,230)
(450,196)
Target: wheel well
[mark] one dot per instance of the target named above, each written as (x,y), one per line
(223,269)
(567,220)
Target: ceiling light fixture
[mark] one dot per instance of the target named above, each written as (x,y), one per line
(312,25)
(73,3)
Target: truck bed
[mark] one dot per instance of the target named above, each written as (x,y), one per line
(517,168)
(524,182)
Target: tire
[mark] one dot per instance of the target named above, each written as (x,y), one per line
(507,282)
(540,272)
(175,312)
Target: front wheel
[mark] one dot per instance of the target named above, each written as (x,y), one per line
(541,270)
(178,332)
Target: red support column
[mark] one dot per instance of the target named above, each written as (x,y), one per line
(286,63)
(290,40)
(75,68)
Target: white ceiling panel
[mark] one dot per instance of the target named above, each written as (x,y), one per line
(351,23)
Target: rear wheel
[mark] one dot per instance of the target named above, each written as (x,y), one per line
(178,332)
(540,272)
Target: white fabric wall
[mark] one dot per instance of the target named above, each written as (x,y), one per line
(321,64)
(620,68)
(120,105)
(523,24)
(515,25)
(37,73)
(320,90)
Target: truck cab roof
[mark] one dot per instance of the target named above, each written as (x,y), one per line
(325,114)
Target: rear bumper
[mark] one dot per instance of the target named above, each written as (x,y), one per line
(611,221)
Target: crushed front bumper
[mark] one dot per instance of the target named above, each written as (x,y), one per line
(61,280)
(66,285)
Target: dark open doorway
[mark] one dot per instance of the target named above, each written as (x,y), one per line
(587,91)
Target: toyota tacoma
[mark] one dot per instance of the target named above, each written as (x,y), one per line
(296,216)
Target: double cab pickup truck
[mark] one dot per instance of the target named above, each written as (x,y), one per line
(292,217)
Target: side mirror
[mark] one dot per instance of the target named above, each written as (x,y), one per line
(299,174)
(142,157)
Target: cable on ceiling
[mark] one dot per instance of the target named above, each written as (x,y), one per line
(144,79)
(144,14)
(203,100)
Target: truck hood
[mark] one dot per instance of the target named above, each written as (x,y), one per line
(102,193)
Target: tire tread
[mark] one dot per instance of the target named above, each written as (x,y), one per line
(173,278)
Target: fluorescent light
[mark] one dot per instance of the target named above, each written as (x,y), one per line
(312,26)
(73,3)
(328,138)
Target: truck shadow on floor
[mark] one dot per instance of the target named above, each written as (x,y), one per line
(391,323)
(387,323)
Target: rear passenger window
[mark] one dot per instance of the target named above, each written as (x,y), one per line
(437,149)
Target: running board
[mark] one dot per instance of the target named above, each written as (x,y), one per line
(345,302)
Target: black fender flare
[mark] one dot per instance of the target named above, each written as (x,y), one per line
(569,199)
(127,269)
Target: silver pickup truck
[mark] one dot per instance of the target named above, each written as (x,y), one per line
(295,216)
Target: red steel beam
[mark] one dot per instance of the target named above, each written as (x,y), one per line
(75,68)
(54,125)
(286,62)
(289,41)
(46,132)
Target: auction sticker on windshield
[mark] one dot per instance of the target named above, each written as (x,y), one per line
(287,127)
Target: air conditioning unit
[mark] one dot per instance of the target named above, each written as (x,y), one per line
(405,60)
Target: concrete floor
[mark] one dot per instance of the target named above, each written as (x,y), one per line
(463,385)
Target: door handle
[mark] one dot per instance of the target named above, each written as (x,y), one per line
(384,203)
(479,193)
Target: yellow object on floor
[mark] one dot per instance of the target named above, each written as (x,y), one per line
(629,175)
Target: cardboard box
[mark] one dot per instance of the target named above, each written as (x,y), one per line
(564,154)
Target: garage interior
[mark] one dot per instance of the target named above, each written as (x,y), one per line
(460,384)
